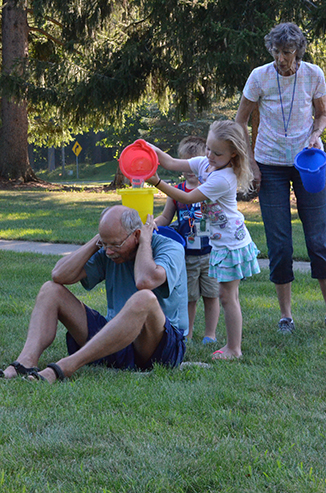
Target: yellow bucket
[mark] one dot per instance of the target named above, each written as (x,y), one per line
(141,199)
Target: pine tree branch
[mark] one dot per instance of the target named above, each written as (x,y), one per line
(47,18)
(47,35)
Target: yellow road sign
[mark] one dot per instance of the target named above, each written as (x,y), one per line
(77,148)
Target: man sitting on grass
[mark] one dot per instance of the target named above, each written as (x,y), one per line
(146,289)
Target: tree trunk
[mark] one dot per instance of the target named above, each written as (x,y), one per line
(51,158)
(14,162)
(63,159)
(31,154)
(119,180)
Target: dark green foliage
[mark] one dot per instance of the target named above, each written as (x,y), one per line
(103,57)
(92,63)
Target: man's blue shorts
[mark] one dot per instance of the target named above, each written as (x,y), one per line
(169,352)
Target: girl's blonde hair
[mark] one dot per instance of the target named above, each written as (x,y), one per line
(232,132)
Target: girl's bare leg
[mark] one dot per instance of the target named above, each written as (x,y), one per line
(229,297)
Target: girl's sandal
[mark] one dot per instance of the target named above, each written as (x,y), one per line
(219,351)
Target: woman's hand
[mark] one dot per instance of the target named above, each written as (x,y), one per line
(319,122)
(314,140)
(257,175)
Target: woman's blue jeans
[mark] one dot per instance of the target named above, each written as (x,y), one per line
(274,198)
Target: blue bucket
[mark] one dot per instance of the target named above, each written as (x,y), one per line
(311,165)
(170,233)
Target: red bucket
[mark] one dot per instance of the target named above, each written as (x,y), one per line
(138,162)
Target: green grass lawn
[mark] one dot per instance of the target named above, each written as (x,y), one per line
(95,173)
(244,426)
(100,172)
(58,217)
(72,217)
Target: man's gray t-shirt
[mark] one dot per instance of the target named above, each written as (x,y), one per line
(120,282)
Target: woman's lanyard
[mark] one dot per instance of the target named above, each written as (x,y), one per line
(286,125)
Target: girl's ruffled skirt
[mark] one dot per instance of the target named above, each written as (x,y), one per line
(228,265)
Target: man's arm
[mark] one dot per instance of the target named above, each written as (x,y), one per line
(70,269)
(319,122)
(147,274)
(245,109)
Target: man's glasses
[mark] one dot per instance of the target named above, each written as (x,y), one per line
(285,53)
(101,244)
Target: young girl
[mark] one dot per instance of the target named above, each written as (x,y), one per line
(233,255)
(197,247)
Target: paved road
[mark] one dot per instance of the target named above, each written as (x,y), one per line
(65,249)
(38,247)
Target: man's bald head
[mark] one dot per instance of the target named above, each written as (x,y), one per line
(119,216)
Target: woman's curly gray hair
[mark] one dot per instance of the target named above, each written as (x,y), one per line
(287,35)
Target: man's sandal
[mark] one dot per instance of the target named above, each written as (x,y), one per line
(57,370)
(20,369)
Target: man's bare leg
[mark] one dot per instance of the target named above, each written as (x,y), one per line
(141,322)
(54,302)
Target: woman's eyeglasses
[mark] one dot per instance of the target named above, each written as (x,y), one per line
(285,53)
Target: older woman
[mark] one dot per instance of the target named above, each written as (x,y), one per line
(291,95)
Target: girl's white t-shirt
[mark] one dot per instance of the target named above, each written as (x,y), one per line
(272,147)
(224,223)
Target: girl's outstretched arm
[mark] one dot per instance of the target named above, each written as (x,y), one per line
(176,194)
(170,163)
